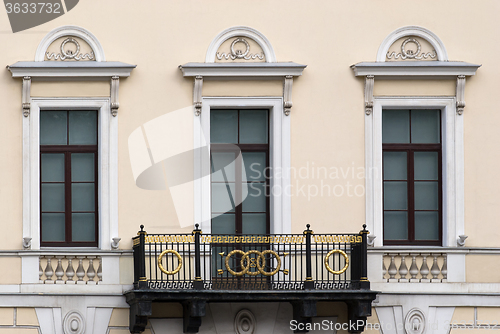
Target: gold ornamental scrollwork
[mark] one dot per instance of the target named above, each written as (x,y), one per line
(259,262)
(179,266)
(327,265)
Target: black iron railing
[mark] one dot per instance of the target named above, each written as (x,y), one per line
(250,262)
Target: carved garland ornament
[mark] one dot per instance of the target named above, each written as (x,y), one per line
(239,54)
(409,53)
(69,54)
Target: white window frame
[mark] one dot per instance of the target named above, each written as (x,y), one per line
(107,167)
(453,163)
(279,153)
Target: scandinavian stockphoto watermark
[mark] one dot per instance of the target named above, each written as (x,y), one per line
(333,326)
(164,155)
(26,14)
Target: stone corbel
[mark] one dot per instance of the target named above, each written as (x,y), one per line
(27,242)
(460,94)
(369,82)
(115,83)
(287,94)
(26,96)
(198,85)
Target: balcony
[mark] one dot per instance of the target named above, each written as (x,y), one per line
(195,269)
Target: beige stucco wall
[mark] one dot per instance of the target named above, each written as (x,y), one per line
(327,118)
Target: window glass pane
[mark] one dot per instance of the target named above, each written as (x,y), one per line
(53,228)
(254,223)
(395,225)
(53,128)
(426,196)
(427,225)
(222,200)
(82,167)
(395,126)
(223,224)
(426,165)
(395,166)
(255,166)
(53,167)
(256,198)
(83,127)
(83,226)
(253,126)
(223,126)
(395,195)
(53,197)
(82,197)
(223,162)
(425,126)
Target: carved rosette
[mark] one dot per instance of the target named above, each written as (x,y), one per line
(74,323)
(415,321)
(244,322)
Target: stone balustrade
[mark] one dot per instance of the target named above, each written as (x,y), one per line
(70,269)
(415,267)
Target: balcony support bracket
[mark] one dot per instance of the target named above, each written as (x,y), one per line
(193,311)
(139,312)
(358,311)
(303,312)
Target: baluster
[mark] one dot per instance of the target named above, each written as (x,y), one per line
(99,270)
(392,269)
(91,271)
(403,269)
(435,269)
(59,271)
(70,271)
(384,270)
(424,269)
(40,270)
(444,268)
(413,268)
(80,273)
(49,272)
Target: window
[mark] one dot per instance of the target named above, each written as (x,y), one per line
(235,180)
(411,143)
(68,178)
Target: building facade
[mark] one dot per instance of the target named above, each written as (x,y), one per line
(157,177)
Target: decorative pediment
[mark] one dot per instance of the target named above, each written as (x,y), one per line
(412,43)
(69,43)
(413,52)
(243,53)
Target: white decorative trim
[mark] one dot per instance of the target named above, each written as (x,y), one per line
(461,240)
(420,69)
(453,164)
(75,31)
(240,31)
(54,69)
(279,158)
(428,35)
(198,87)
(243,70)
(108,166)
(26,96)
(369,82)
(287,94)
(115,84)
(460,94)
